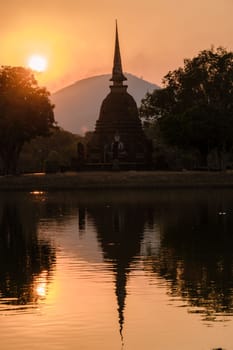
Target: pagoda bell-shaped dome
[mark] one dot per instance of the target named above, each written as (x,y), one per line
(118,121)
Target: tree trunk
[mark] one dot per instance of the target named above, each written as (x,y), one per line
(222,160)
(10,158)
(222,157)
(204,160)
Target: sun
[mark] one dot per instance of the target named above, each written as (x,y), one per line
(37,63)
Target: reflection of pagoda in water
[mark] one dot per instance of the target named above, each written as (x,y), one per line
(118,134)
(119,232)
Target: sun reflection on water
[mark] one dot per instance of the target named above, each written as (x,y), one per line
(39,196)
(41,290)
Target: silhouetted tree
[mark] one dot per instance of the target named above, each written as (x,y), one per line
(194,110)
(36,152)
(25,112)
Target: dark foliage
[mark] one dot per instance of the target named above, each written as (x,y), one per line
(25,112)
(60,148)
(194,110)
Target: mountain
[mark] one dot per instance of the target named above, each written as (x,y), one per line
(77,106)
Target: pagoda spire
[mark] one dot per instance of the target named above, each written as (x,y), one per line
(117,73)
(121,293)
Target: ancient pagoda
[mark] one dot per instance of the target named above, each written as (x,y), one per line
(118,135)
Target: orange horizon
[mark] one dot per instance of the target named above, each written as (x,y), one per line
(78,39)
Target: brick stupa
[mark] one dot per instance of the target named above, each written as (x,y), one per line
(118,134)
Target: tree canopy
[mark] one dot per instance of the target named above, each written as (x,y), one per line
(194,109)
(25,112)
(37,153)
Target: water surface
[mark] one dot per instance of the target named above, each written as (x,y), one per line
(112,270)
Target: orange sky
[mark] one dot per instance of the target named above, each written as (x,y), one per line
(77,36)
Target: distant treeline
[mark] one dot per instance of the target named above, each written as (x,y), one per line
(58,152)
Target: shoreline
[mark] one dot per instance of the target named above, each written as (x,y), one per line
(100,180)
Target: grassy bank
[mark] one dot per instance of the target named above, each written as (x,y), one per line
(121,180)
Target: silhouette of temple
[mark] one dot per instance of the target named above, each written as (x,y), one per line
(119,233)
(118,135)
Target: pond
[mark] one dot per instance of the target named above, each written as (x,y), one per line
(118,270)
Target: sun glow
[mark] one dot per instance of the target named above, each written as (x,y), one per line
(37,63)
